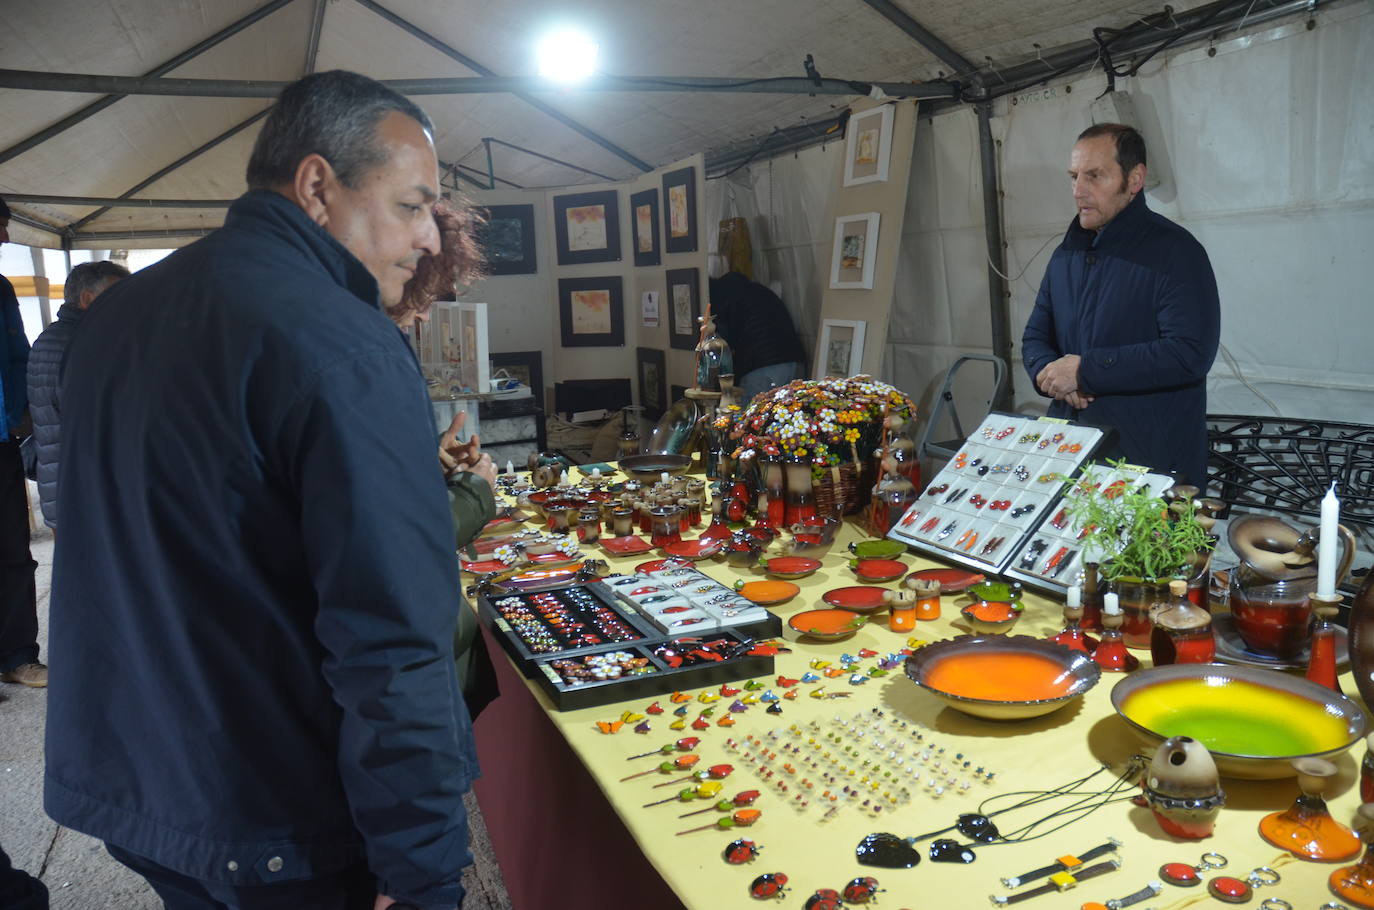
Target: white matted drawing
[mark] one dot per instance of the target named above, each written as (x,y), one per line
(868,146)
(840,351)
(856,248)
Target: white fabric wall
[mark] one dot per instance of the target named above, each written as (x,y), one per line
(1266,153)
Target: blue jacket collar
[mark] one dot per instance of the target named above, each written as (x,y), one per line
(263,211)
(1080,238)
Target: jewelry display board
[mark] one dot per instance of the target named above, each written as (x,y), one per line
(626,624)
(985,504)
(1052,556)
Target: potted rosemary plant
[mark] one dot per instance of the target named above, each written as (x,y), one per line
(1141,541)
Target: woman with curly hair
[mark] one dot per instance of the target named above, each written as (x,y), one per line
(470,473)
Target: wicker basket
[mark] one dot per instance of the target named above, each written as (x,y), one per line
(845,489)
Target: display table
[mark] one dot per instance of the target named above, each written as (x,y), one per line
(569,833)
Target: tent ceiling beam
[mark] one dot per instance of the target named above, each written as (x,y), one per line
(549,158)
(164,171)
(119,202)
(312,45)
(524,95)
(34,80)
(922,36)
(99,105)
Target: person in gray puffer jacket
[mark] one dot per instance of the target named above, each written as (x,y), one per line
(84,284)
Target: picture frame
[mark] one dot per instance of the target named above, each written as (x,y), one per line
(652,372)
(526,366)
(683,303)
(680,211)
(591,312)
(507,239)
(587,227)
(840,350)
(645,245)
(855,251)
(868,146)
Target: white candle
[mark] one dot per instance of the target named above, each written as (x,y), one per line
(1075,597)
(663,478)
(596,474)
(1111,603)
(510,467)
(1326,546)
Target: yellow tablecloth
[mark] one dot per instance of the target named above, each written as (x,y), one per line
(1026,755)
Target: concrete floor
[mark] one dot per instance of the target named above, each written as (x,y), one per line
(79,874)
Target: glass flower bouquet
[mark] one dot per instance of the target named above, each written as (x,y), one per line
(827,422)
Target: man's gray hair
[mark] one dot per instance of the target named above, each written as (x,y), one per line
(89,276)
(332,114)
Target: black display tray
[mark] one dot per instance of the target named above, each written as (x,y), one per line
(569,697)
(526,659)
(530,662)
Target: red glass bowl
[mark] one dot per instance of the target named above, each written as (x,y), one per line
(859,598)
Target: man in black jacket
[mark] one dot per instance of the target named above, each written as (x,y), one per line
(85,283)
(255,587)
(19,661)
(755,323)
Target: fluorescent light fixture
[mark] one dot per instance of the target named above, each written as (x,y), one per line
(567,55)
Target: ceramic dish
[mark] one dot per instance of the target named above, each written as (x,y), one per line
(995,590)
(951,580)
(504,523)
(649,467)
(625,546)
(1254,721)
(877,569)
(877,549)
(992,617)
(693,549)
(792,566)
(658,565)
(1231,648)
(859,598)
(767,593)
(1002,677)
(827,625)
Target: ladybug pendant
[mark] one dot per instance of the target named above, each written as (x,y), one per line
(739,852)
(861,890)
(824,899)
(770,884)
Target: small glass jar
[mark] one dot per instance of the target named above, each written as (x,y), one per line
(589,524)
(622,521)
(927,598)
(666,525)
(901,611)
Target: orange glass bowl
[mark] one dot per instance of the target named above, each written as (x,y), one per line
(827,625)
(992,617)
(1253,721)
(1002,677)
(767,593)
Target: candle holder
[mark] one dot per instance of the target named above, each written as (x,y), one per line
(1306,828)
(1355,884)
(1321,662)
(1111,654)
(1073,636)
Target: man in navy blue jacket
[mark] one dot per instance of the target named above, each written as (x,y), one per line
(1127,321)
(254,593)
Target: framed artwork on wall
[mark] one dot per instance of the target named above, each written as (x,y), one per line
(684,308)
(680,211)
(526,366)
(591,313)
(868,146)
(507,239)
(840,351)
(855,252)
(644,227)
(653,381)
(587,227)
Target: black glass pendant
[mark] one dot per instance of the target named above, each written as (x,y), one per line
(945,850)
(887,851)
